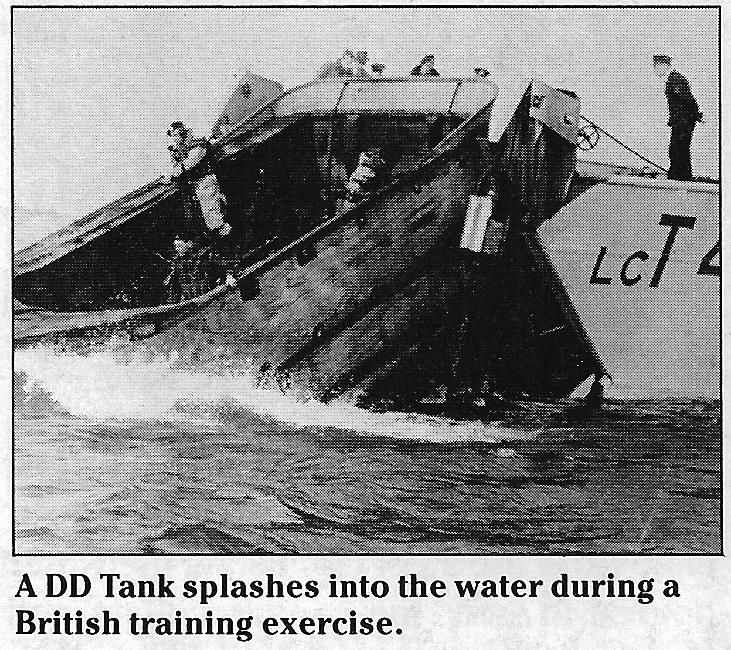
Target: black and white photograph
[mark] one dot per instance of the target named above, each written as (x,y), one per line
(342,281)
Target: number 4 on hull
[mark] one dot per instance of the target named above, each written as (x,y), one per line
(706,267)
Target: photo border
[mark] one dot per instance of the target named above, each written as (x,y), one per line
(717,7)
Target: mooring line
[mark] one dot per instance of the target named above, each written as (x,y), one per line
(622,144)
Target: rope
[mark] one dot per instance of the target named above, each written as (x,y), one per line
(622,144)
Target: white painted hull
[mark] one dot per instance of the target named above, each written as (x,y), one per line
(656,342)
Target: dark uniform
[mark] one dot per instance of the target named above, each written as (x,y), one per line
(684,113)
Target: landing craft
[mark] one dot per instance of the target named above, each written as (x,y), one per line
(460,265)
(640,260)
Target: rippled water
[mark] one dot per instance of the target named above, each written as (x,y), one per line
(142,457)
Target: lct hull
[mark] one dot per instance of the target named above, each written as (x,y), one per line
(640,260)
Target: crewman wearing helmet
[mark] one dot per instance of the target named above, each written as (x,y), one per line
(192,167)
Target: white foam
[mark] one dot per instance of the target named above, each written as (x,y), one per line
(100,386)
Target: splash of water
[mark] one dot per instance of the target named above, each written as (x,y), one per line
(100,386)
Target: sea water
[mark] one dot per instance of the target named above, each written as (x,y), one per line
(144,456)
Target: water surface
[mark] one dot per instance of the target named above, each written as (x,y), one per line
(146,458)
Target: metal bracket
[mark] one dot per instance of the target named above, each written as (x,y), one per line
(555,109)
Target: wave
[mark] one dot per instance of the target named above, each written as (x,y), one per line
(30,400)
(204,538)
(101,386)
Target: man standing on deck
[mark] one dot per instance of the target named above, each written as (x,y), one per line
(683,114)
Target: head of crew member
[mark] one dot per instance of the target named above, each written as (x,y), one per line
(425,68)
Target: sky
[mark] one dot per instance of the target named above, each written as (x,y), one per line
(95,89)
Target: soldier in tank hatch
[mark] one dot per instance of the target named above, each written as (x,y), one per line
(361,68)
(425,68)
(683,114)
(343,67)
